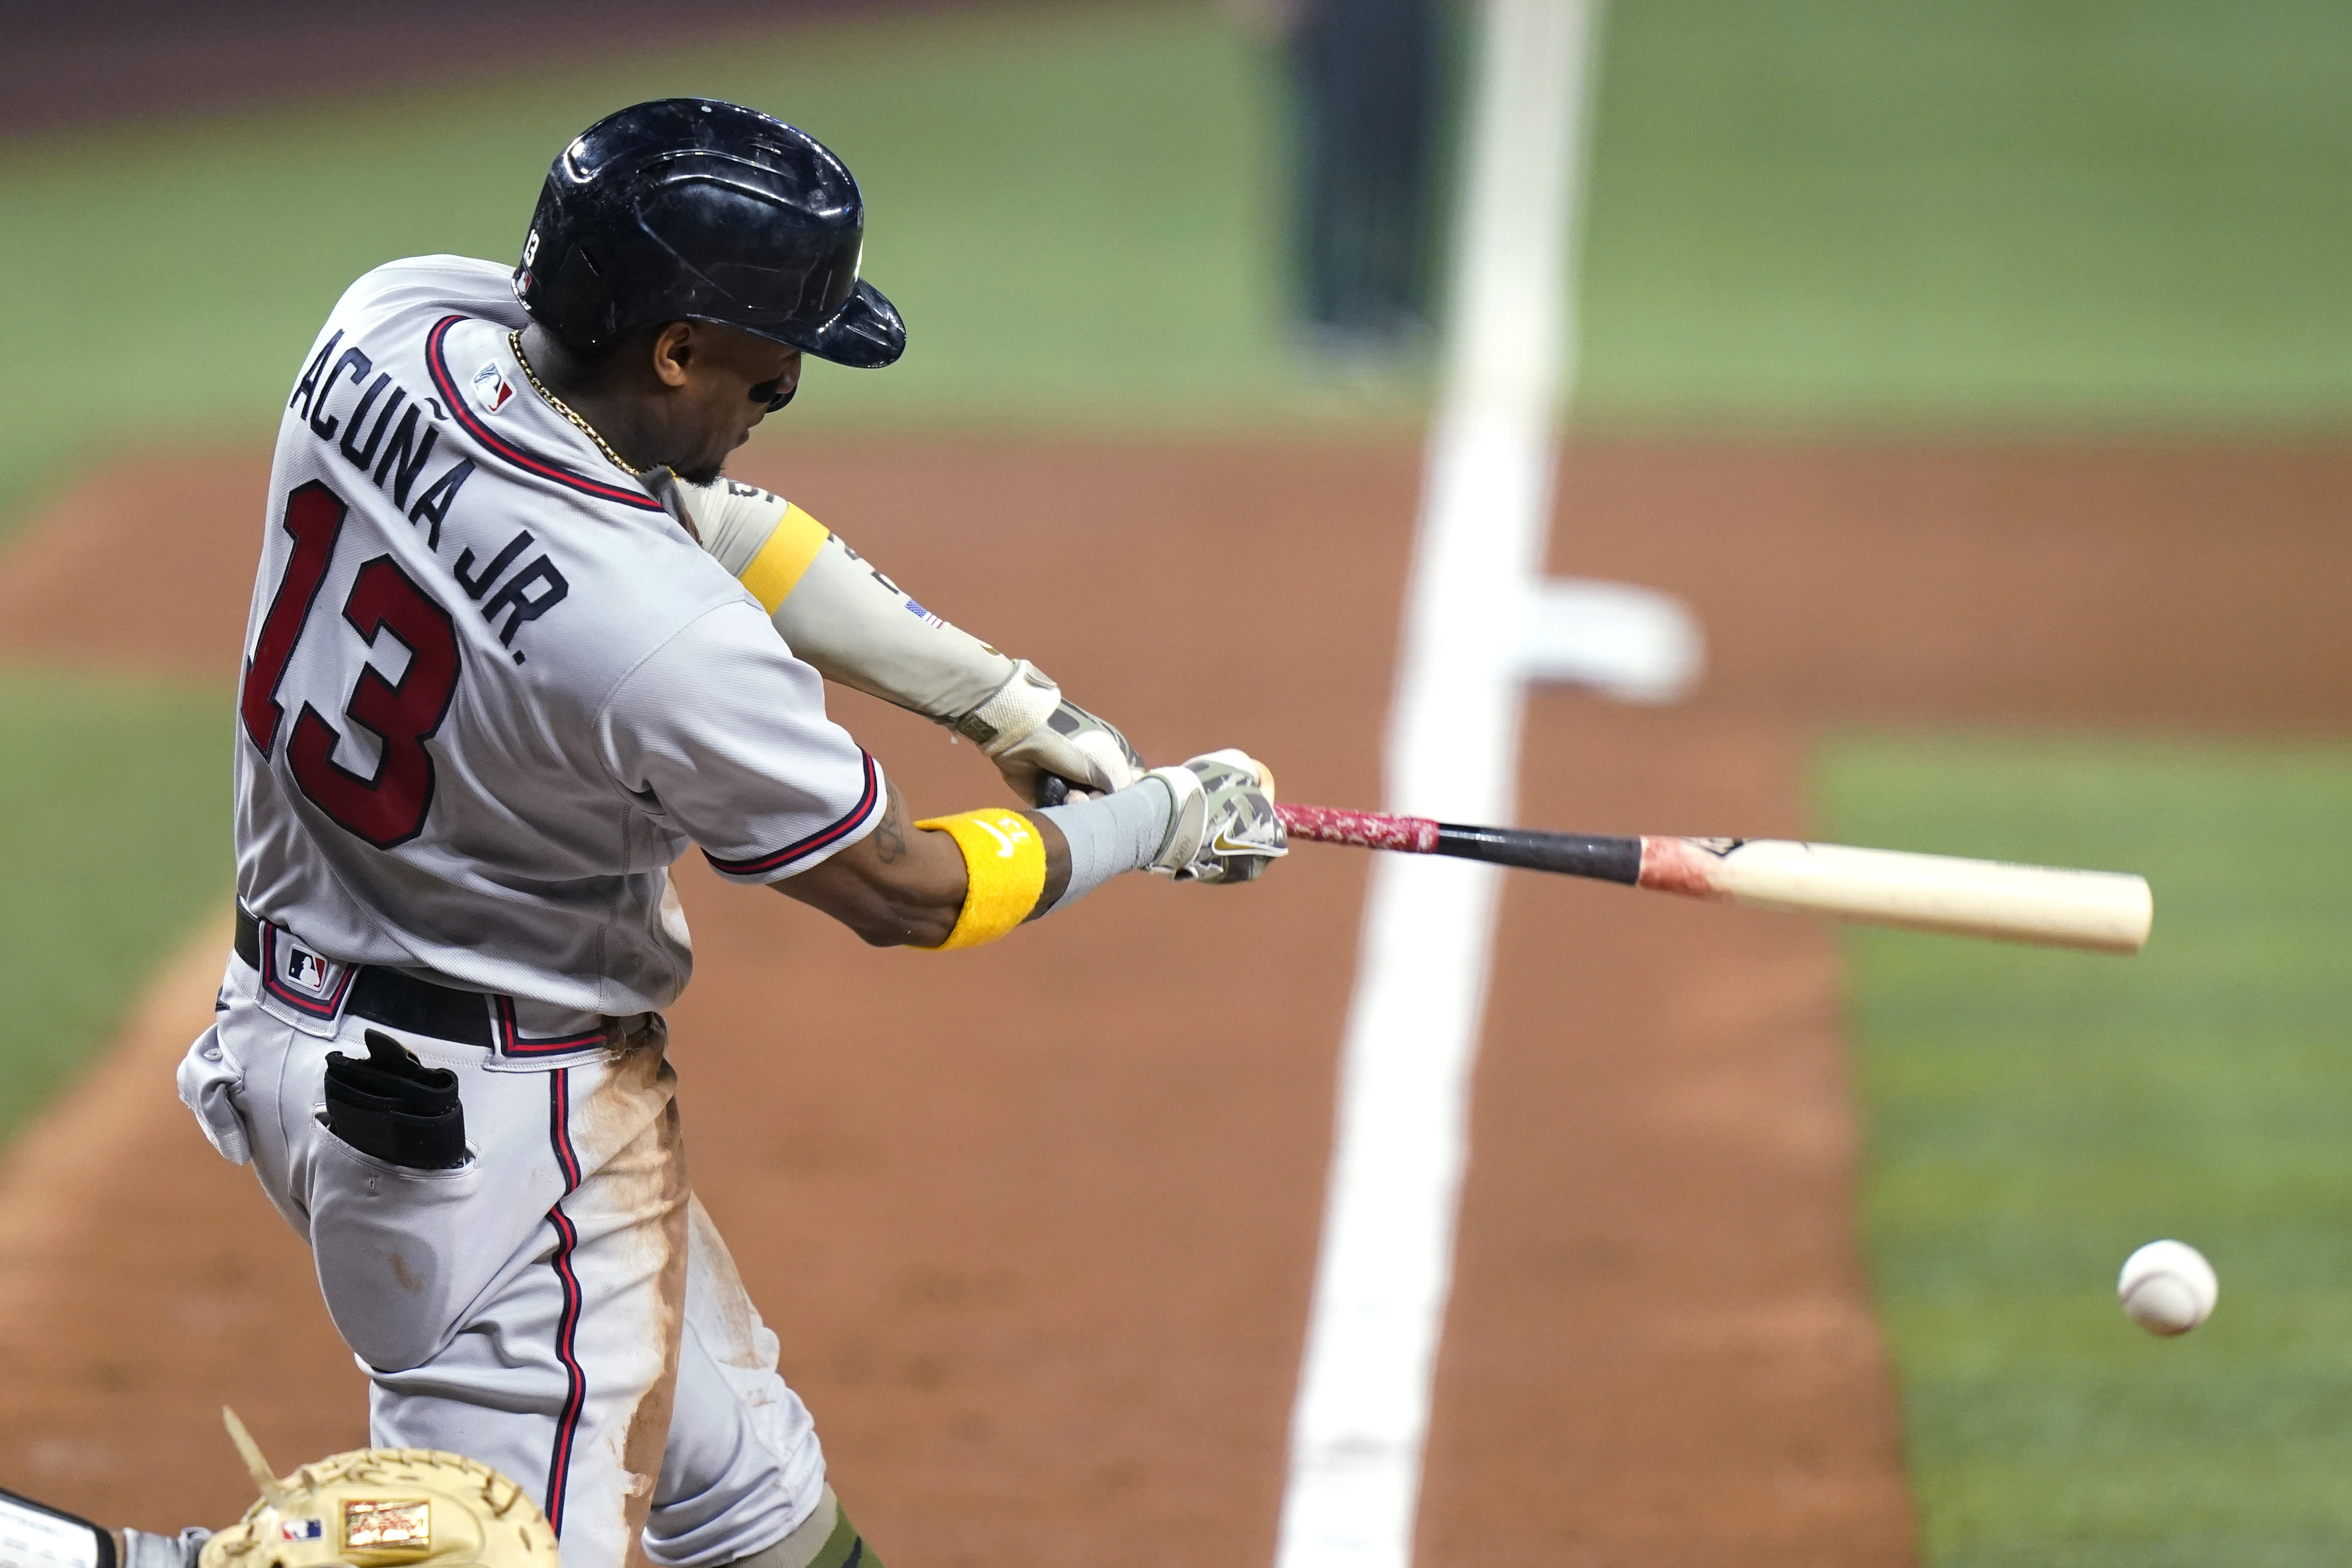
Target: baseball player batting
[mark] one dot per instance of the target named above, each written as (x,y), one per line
(514,647)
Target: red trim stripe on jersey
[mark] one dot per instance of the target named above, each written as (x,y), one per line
(500,446)
(513,1042)
(823,838)
(567,1325)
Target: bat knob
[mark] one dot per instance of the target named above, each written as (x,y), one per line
(1052,790)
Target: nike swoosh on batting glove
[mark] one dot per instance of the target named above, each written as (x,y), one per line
(1224,828)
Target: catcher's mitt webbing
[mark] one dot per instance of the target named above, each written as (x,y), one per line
(1004,866)
(782,562)
(415,1507)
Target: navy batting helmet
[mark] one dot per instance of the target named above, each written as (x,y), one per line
(689,208)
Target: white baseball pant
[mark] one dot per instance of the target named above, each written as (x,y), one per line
(560,1307)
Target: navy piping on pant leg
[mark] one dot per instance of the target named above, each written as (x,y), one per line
(567,1327)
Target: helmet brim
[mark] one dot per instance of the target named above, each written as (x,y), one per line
(865,333)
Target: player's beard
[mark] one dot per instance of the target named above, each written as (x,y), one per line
(701,473)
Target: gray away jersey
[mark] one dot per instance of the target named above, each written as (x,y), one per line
(493,688)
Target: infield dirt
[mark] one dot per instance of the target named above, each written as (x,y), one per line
(1037,1223)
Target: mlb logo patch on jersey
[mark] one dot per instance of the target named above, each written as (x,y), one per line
(301,1530)
(301,987)
(492,388)
(306,971)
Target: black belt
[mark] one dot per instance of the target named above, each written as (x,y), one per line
(395,1000)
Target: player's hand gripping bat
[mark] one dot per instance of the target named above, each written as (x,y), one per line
(2106,912)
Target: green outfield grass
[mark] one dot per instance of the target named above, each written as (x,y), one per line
(2019,214)
(2033,1116)
(114,830)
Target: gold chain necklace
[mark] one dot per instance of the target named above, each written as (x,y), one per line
(514,342)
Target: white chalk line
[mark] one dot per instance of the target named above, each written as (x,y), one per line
(1384,1270)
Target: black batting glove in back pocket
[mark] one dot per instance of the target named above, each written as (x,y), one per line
(392,1106)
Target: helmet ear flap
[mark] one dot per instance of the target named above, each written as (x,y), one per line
(574,297)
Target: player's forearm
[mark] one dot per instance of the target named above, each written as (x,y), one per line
(902,886)
(900,889)
(860,628)
(837,612)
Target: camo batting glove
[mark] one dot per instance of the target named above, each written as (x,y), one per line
(1224,828)
(1031,732)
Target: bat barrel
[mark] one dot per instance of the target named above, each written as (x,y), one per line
(2104,912)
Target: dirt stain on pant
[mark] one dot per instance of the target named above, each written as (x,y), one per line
(645,1180)
(727,1320)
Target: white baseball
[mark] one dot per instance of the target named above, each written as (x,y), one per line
(2168,1287)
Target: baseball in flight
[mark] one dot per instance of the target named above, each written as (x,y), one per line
(2168,1287)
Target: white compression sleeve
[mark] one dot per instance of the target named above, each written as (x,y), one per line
(837,611)
(1118,832)
(862,629)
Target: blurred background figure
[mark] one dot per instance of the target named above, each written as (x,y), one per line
(1367,98)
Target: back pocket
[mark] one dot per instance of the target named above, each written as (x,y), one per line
(389,1105)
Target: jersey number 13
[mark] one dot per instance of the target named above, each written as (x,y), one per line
(387,808)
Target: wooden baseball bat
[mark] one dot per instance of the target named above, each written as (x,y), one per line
(2104,912)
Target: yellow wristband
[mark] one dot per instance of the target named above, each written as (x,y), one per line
(1004,866)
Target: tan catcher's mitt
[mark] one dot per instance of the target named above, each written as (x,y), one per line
(376,1507)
